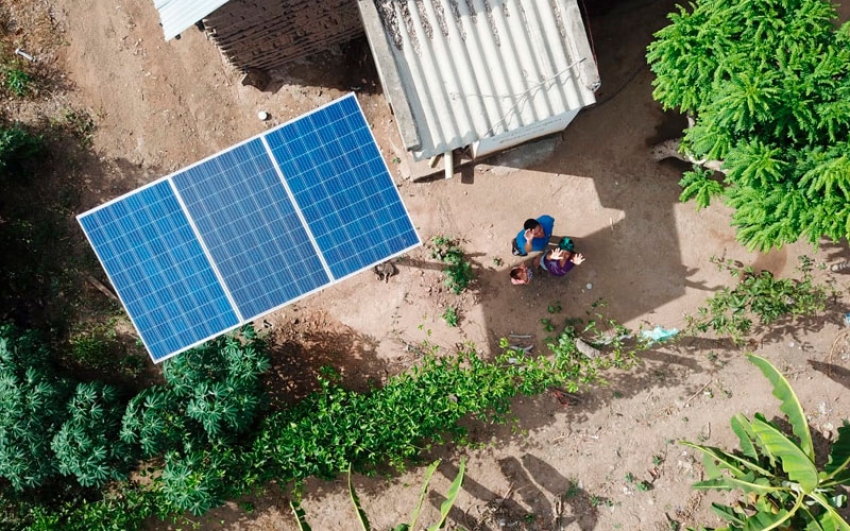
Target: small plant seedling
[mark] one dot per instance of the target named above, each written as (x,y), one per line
(450,316)
(600,501)
(555,307)
(396,160)
(644,486)
(657,460)
(573,490)
(17,81)
(247,507)
(630,478)
(547,325)
(617,394)
(497,261)
(458,269)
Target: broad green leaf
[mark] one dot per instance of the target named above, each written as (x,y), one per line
(355,499)
(839,455)
(741,427)
(754,485)
(428,473)
(767,521)
(729,513)
(790,404)
(735,464)
(451,497)
(300,515)
(713,484)
(795,462)
(834,518)
(729,483)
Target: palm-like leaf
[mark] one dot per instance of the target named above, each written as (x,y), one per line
(451,497)
(839,457)
(355,499)
(799,467)
(422,492)
(831,516)
(737,465)
(790,404)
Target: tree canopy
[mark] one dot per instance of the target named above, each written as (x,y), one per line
(767,83)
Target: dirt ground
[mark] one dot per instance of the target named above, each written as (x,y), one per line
(159,106)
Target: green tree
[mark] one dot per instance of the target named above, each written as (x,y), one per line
(32,408)
(87,445)
(766,84)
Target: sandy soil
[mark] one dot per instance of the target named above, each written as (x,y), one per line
(160,106)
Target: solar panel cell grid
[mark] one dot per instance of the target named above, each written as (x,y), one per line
(251,229)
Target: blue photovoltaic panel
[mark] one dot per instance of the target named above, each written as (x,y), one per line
(335,171)
(159,270)
(251,229)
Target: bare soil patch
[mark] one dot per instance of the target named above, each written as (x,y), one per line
(160,106)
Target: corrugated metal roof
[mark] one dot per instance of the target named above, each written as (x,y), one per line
(471,70)
(178,15)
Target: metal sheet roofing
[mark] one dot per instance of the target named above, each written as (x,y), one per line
(470,70)
(178,15)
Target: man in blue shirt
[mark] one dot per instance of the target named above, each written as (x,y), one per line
(535,235)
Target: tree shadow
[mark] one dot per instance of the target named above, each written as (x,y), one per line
(834,372)
(303,347)
(539,497)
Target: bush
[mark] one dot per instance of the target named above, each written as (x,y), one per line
(87,445)
(32,408)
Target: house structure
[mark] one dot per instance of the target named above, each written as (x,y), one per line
(469,78)
(264,35)
(464,78)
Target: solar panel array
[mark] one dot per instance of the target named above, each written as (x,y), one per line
(251,229)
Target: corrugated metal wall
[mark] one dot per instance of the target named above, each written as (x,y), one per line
(267,34)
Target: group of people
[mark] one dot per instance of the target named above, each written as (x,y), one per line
(534,238)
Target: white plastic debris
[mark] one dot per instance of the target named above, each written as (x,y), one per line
(24,54)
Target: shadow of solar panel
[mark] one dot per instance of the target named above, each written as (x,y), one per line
(253,228)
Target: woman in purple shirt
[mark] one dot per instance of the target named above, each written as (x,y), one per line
(558,262)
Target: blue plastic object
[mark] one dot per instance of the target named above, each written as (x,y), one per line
(658,334)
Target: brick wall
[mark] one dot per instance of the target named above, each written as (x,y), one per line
(267,34)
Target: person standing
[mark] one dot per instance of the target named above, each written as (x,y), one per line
(534,236)
(558,262)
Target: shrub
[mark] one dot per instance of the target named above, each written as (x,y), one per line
(32,408)
(784,486)
(87,445)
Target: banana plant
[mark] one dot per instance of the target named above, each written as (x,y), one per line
(445,507)
(785,488)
